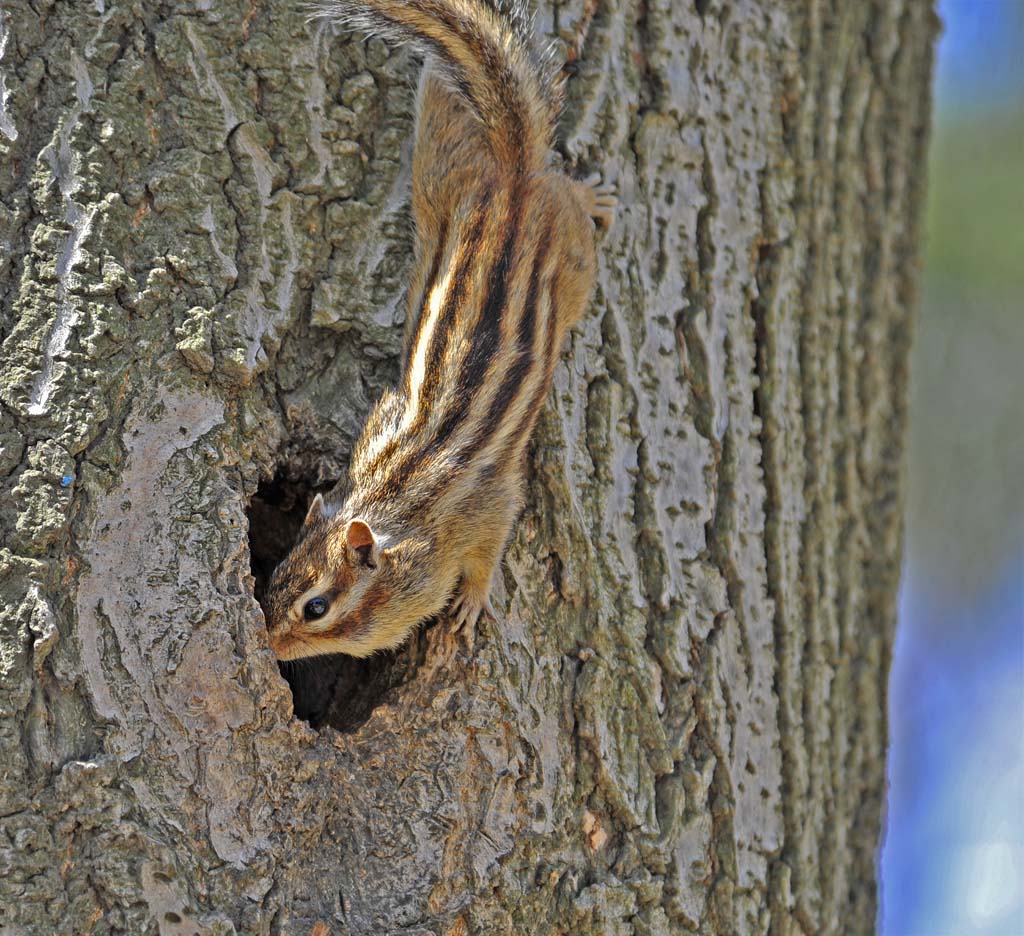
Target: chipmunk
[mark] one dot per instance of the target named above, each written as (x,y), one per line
(504,266)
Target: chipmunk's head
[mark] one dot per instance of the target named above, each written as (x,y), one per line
(344,589)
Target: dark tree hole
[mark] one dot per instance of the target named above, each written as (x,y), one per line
(338,691)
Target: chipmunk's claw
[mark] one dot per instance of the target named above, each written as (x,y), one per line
(467,608)
(602,200)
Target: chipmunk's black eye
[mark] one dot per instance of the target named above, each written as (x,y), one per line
(315,608)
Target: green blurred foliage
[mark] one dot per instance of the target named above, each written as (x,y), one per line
(975,222)
(966,461)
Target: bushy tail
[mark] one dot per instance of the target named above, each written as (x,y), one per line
(484,56)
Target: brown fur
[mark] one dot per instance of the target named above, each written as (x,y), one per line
(504,267)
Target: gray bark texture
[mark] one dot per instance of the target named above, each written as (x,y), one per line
(679,724)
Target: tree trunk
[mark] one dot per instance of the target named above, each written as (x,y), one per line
(679,724)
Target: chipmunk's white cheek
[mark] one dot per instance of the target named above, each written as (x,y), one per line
(320,625)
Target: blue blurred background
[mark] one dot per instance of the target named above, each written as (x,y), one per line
(953,859)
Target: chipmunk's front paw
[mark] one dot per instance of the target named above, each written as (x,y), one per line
(468,605)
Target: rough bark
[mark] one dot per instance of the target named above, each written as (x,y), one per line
(680,723)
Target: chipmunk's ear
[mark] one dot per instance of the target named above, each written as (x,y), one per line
(318,510)
(361,543)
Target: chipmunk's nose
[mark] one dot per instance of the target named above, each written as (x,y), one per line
(278,629)
(282,644)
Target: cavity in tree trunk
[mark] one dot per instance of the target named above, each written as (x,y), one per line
(680,722)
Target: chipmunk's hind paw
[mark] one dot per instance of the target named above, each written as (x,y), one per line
(601,199)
